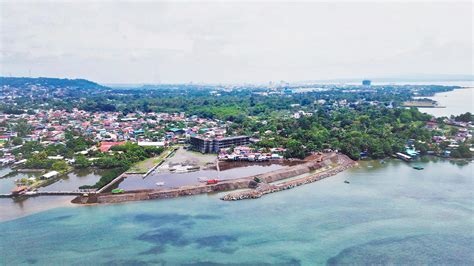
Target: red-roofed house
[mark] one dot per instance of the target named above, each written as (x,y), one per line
(105,146)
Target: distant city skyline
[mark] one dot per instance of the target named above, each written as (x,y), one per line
(160,42)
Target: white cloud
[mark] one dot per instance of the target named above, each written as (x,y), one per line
(233,42)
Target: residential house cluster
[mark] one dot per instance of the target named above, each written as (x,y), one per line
(245,153)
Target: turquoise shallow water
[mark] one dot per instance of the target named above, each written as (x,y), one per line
(388,214)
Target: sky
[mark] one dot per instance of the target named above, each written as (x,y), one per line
(234,42)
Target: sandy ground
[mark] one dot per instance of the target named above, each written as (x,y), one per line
(145,165)
(183,156)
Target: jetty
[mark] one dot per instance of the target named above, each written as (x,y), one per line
(44,193)
(113,182)
(264,187)
(323,166)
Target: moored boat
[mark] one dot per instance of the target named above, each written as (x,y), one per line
(117,191)
(212,181)
(20,190)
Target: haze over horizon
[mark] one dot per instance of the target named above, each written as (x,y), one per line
(232,43)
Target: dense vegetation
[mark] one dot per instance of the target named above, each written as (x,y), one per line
(106,178)
(376,132)
(126,155)
(358,121)
(49,82)
(122,158)
(202,100)
(35,152)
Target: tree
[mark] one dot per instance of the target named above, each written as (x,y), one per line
(39,161)
(81,162)
(23,128)
(463,151)
(294,149)
(466,117)
(59,166)
(17,141)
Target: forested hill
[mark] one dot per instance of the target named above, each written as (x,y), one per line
(21,82)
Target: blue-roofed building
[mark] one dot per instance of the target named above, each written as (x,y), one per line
(177,131)
(139,132)
(412,152)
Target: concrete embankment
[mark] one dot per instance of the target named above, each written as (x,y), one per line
(330,161)
(148,194)
(265,188)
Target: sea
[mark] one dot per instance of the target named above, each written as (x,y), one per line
(388,213)
(456,102)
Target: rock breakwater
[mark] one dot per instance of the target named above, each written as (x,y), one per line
(331,161)
(343,163)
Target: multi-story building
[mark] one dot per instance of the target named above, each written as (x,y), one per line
(208,145)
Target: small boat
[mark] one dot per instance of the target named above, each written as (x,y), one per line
(160,184)
(418,168)
(117,191)
(202,179)
(382,161)
(212,181)
(347,182)
(20,190)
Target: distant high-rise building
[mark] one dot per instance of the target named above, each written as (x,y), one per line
(366,82)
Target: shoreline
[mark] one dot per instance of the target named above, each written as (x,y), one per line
(30,206)
(264,188)
(335,162)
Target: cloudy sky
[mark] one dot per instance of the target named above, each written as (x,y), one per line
(151,42)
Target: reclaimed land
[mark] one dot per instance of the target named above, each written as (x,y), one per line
(422,104)
(333,163)
(146,165)
(343,163)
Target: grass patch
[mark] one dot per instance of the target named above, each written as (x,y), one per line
(106,178)
(145,165)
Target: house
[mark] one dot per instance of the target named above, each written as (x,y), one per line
(49,175)
(105,146)
(151,143)
(57,157)
(177,131)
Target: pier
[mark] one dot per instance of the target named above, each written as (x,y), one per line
(329,165)
(113,182)
(45,193)
(264,188)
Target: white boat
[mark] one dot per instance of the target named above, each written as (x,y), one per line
(160,184)
(202,179)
